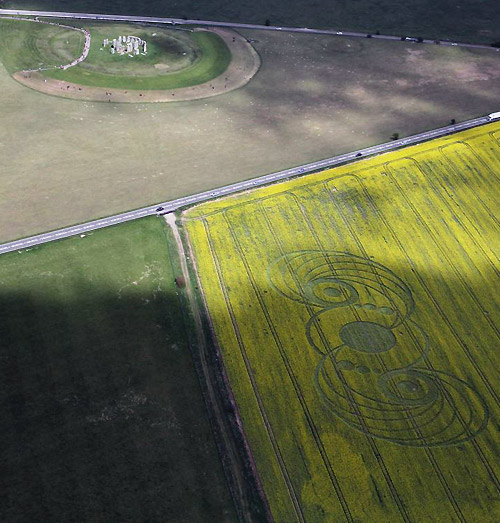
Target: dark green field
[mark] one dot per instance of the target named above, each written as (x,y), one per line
(102,417)
(474,21)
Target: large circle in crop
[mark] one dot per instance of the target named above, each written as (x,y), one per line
(366,336)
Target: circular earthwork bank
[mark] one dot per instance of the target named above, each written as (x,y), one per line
(176,65)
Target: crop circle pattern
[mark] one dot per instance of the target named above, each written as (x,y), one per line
(374,373)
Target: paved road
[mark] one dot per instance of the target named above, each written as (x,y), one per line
(173,205)
(180,21)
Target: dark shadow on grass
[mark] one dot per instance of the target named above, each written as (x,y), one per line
(102,416)
(353,92)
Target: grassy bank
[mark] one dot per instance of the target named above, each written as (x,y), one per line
(174,58)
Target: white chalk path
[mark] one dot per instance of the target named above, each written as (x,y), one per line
(81,58)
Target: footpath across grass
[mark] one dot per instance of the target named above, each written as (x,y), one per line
(102,417)
(29,45)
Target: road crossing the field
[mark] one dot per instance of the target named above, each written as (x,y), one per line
(173,205)
(235,25)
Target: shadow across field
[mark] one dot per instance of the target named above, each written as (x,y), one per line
(101,418)
(354,92)
(357,312)
(432,444)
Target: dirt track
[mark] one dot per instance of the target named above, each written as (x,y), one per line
(245,63)
(232,455)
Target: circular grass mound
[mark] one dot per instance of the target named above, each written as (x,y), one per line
(175,58)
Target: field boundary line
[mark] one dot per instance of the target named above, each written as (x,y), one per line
(231,459)
(272,438)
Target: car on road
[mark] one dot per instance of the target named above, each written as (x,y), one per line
(159,210)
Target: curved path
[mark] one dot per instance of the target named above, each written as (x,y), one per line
(244,64)
(173,205)
(180,21)
(81,58)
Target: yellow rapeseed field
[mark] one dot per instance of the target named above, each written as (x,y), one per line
(358,314)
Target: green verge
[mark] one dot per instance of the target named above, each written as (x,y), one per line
(102,412)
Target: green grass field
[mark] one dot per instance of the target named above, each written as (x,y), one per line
(194,57)
(357,314)
(29,45)
(102,417)
(175,58)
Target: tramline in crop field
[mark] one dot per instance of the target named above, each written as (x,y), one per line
(356,311)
